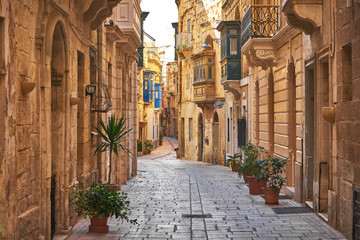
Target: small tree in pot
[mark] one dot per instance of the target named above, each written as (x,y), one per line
(98,202)
(272,170)
(112,135)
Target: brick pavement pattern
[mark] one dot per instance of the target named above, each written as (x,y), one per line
(167,190)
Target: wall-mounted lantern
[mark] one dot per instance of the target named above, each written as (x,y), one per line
(90,89)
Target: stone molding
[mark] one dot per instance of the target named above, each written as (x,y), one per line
(96,11)
(305,15)
(260,53)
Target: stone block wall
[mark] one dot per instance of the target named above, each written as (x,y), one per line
(347,47)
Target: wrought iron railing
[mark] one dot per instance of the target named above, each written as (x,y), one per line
(260,22)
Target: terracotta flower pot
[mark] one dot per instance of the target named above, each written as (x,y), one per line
(99,225)
(234,167)
(245,176)
(271,196)
(255,187)
(160,143)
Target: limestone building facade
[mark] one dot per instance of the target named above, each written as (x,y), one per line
(150,102)
(297,93)
(199,83)
(170,108)
(50,54)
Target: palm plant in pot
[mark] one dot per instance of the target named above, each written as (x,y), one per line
(233,161)
(98,202)
(272,169)
(112,135)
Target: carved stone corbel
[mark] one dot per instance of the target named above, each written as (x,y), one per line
(305,15)
(260,54)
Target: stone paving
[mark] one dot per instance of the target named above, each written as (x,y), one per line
(167,190)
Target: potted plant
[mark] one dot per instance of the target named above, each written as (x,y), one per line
(233,161)
(272,170)
(139,148)
(148,146)
(250,154)
(98,202)
(112,135)
(249,168)
(161,138)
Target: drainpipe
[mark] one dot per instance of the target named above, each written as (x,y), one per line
(98,88)
(225,127)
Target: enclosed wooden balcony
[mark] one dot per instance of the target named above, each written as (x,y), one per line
(230,55)
(204,78)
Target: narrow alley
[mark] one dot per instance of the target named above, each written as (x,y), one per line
(177,199)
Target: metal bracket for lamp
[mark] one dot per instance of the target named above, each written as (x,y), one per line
(90,89)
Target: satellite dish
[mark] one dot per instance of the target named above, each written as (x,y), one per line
(219,104)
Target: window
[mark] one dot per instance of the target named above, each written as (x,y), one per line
(203,68)
(210,72)
(233,46)
(190,129)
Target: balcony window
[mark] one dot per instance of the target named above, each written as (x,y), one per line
(230,50)
(233,46)
(203,69)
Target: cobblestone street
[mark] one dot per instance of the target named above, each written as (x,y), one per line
(167,191)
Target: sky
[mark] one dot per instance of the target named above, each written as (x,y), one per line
(158,23)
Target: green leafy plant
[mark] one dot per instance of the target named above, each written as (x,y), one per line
(233,159)
(148,145)
(112,135)
(99,200)
(139,146)
(272,170)
(251,153)
(161,136)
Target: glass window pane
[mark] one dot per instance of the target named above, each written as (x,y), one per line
(233,46)
(209,72)
(233,31)
(203,70)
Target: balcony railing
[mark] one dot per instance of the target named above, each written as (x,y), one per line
(183,40)
(260,22)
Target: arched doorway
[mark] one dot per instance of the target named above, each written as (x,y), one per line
(200,137)
(58,86)
(216,139)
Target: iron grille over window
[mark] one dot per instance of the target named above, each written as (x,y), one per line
(356,215)
(260,22)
